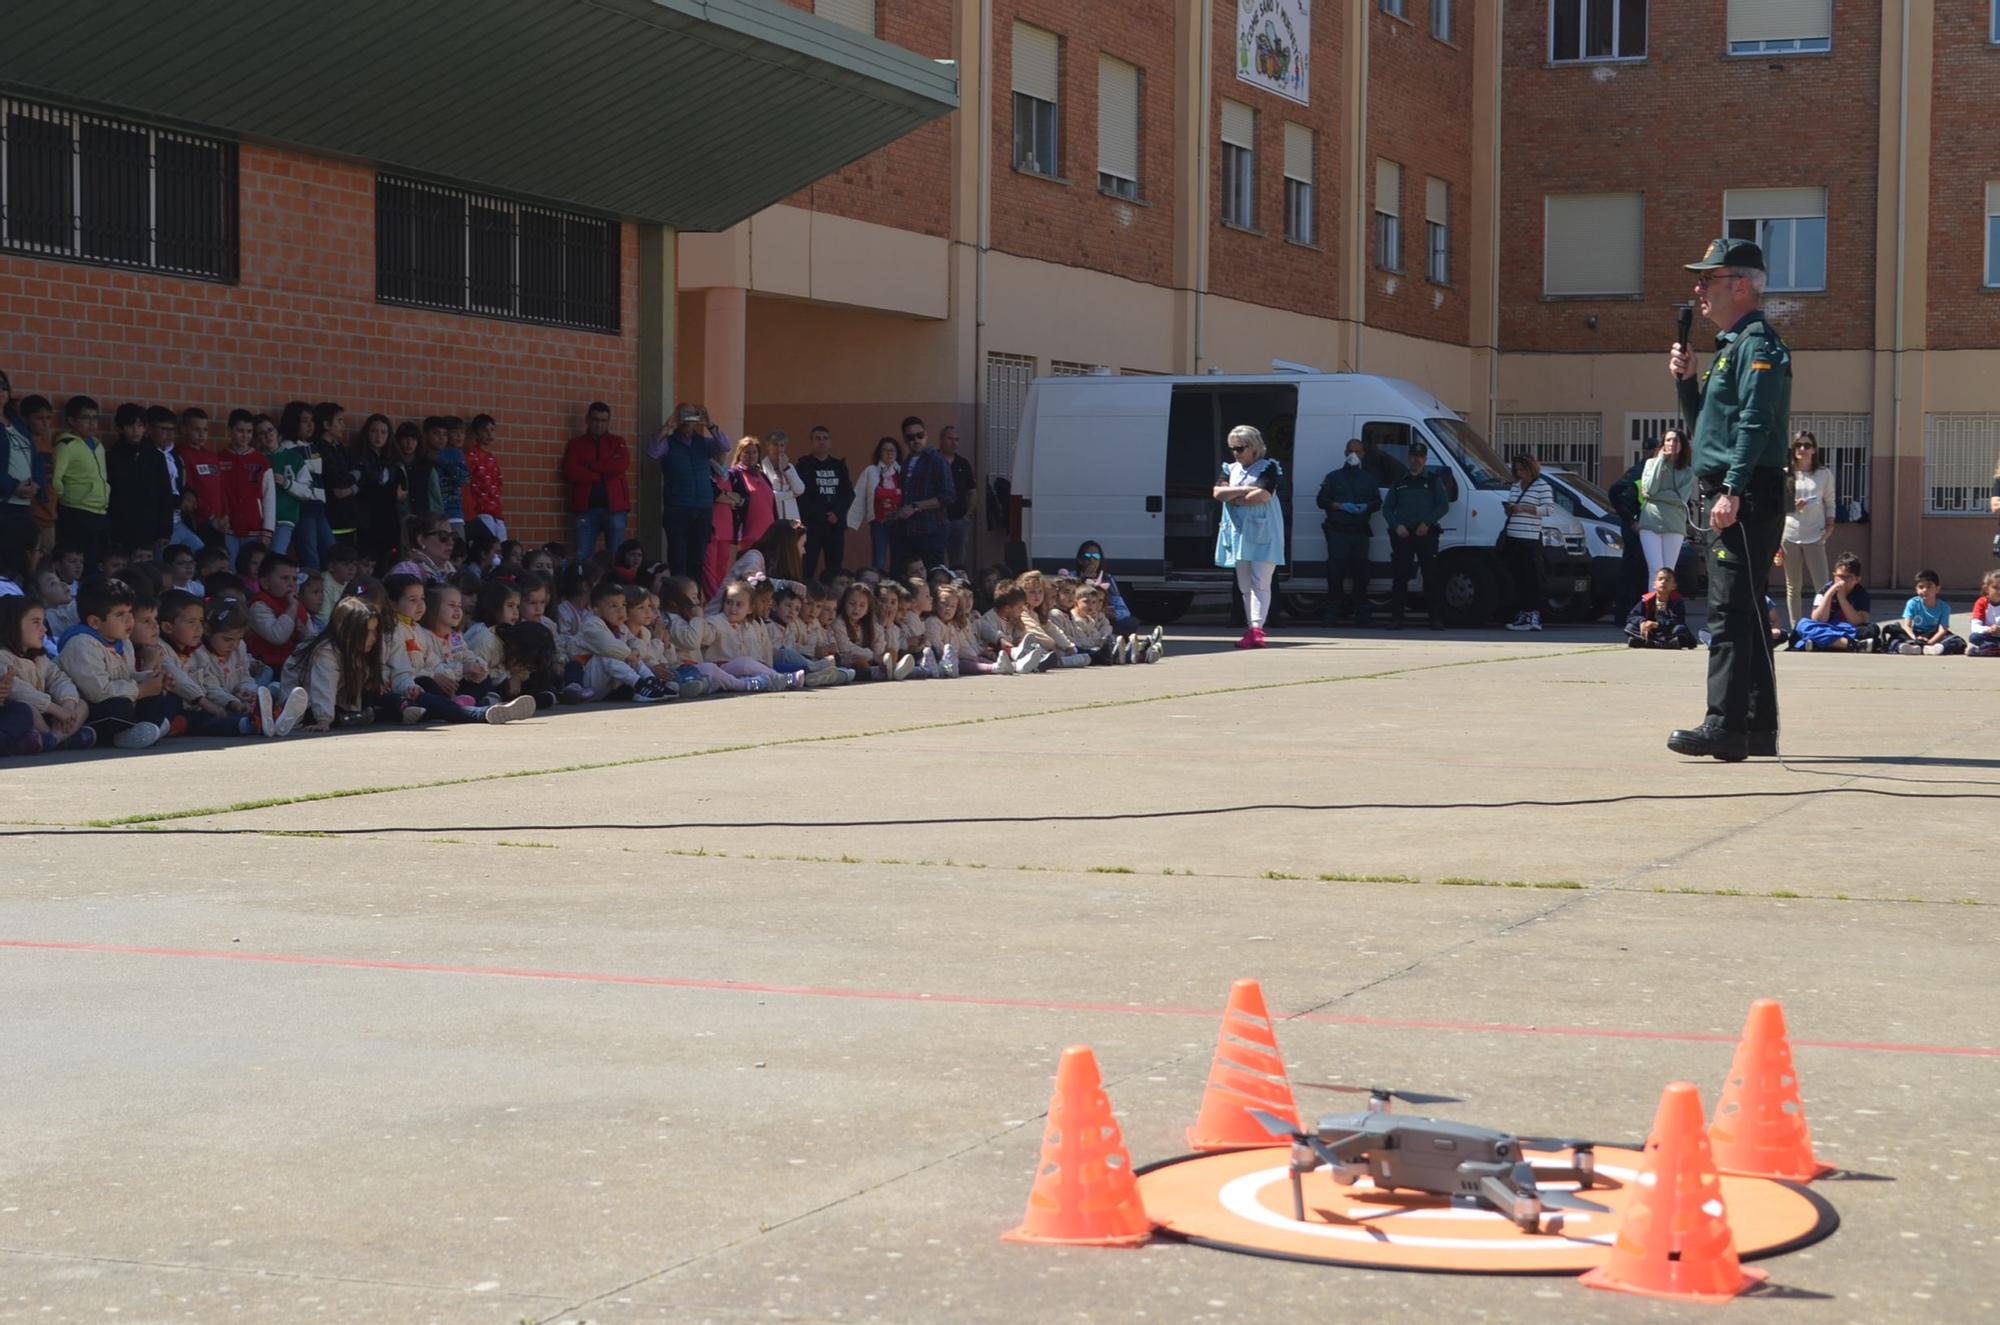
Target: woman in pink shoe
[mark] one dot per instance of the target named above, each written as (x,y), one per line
(1252,536)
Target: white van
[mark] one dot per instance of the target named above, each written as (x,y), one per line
(1130,462)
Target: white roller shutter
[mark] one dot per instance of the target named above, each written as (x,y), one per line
(1437,200)
(1037,63)
(1388,187)
(1117,118)
(1593,243)
(1780,20)
(856,14)
(1239,125)
(1764,204)
(1993,199)
(1298,153)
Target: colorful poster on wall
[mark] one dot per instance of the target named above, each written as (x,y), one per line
(1274,46)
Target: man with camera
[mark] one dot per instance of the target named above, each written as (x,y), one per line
(1739,411)
(685,450)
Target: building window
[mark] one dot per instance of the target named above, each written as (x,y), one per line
(1789,225)
(856,14)
(94,189)
(1843,448)
(1388,216)
(1239,164)
(1007,378)
(1993,222)
(1437,230)
(1441,19)
(1597,30)
(1117,127)
(1593,244)
(1780,27)
(1073,368)
(1299,184)
(1572,442)
(1959,452)
(440,247)
(1037,76)
(1395,7)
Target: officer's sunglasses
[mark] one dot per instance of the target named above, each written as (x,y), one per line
(1707,279)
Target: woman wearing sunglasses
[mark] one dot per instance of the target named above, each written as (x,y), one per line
(1252,535)
(1809,514)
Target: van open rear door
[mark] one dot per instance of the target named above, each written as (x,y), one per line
(1091,462)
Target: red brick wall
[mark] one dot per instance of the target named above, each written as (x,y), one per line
(303,324)
(1069,221)
(1682,126)
(1262,267)
(1420,116)
(1966,82)
(908,183)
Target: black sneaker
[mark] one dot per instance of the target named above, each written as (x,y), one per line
(1710,741)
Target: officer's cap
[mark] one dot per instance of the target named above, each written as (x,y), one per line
(1730,253)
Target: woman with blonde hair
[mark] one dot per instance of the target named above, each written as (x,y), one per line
(1251,539)
(786,485)
(1809,515)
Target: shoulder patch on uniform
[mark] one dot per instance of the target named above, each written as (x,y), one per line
(1760,365)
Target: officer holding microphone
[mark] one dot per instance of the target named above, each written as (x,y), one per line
(1739,412)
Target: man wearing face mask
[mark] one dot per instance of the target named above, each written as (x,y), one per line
(1349,496)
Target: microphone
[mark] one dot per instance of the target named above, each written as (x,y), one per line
(1686,325)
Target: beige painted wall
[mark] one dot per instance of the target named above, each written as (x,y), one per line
(1823,381)
(1056,312)
(800,254)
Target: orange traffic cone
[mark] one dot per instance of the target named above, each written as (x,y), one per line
(1674,1240)
(1084,1193)
(1247,1074)
(1759,1127)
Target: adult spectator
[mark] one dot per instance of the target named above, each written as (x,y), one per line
(484,488)
(1415,504)
(199,477)
(1349,495)
(139,511)
(249,508)
(1251,537)
(1809,514)
(40,418)
(958,515)
(740,523)
(1090,570)
(24,476)
(829,491)
(378,468)
(1529,502)
(877,498)
(779,472)
(81,481)
(1666,486)
(1627,504)
(339,476)
(683,450)
(922,520)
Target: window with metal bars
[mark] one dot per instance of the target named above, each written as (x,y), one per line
(88,188)
(440,247)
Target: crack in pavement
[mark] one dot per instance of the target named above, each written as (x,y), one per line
(258,1272)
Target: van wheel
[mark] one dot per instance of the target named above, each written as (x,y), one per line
(1470,592)
(1572,607)
(1159,609)
(1304,609)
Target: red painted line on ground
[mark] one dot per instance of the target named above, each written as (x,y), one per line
(961,1000)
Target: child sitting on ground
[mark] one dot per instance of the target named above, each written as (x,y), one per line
(857,635)
(1839,620)
(127,707)
(416,670)
(732,640)
(789,630)
(1039,614)
(920,636)
(214,708)
(56,711)
(651,653)
(959,655)
(341,669)
(1017,643)
(279,622)
(602,648)
(58,600)
(680,626)
(1983,639)
(1926,623)
(444,614)
(497,605)
(224,666)
(1090,629)
(1659,619)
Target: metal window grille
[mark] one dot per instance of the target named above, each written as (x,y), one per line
(1647,426)
(1070,368)
(1845,447)
(440,247)
(1007,378)
(89,188)
(1959,453)
(1574,442)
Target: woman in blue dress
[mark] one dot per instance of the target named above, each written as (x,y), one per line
(1252,536)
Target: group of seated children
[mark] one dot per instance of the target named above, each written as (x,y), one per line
(266,656)
(1840,621)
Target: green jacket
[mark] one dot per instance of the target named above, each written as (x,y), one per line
(1740,410)
(79,477)
(1415,499)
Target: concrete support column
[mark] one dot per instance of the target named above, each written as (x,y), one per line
(1358,164)
(658,304)
(1902,292)
(725,324)
(1194,41)
(1482,211)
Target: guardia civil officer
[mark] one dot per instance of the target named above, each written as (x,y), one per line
(1739,411)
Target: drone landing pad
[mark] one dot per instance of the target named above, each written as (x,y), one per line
(1242,1201)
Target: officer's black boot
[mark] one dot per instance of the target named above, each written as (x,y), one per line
(1710,741)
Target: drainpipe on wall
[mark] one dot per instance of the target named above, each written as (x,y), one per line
(1902,284)
(1492,424)
(1205,42)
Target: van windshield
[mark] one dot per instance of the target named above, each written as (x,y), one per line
(1474,456)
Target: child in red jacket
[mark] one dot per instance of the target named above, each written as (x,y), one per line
(279,622)
(1659,620)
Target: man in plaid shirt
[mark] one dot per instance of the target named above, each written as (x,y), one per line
(927,492)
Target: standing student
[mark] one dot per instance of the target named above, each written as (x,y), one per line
(141,505)
(1666,486)
(450,470)
(485,495)
(1529,502)
(1251,537)
(877,497)
(204,513)
(248,509)
(39,417)
(339,474)
(1415,505)
(378,469)
(297,469)
(24,471)
(1809,514)
(80,479)
(823,505)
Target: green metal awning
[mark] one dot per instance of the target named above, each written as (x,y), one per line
(694,113)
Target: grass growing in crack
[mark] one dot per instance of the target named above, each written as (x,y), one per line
(1785,893)
(1369,878)
(1463,881)
(294,832)
(1111,869)
(1280,874)
(535,846)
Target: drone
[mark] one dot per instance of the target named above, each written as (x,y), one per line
(1474,1165)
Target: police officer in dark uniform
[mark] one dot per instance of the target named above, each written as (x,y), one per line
(1740,414)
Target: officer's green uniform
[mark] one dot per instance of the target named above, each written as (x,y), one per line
(1739,412)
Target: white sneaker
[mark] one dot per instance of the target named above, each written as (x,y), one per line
(928,664)
(904,666)
(1158,637)
(267,722)
(847,675)
(138,736)
(412,714)
(950,661)
(1520,622)
(1934,650)
(511,711)
(1034,656)
(1004,664)
(1155,651)
(795,680)
(290,716)
(1074,660)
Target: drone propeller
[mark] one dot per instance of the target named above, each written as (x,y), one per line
(1383,1093)
(1572,1143)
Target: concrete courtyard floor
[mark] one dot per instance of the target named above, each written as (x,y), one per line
(749,1010)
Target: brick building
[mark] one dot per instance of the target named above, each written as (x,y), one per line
(1493,199)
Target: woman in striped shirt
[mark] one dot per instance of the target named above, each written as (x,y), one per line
(1529,502)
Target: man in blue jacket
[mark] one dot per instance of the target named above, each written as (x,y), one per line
(684,450)
(1349,496)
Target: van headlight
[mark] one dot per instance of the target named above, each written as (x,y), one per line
(1552,538)
(1609,539)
